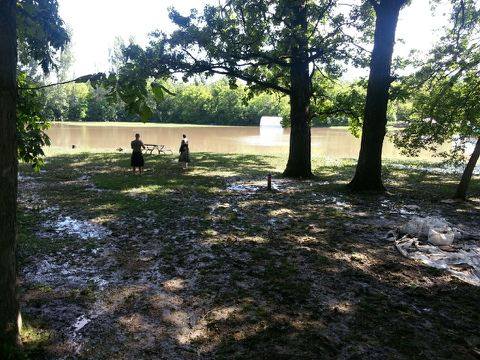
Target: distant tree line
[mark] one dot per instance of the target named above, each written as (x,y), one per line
(212,103)
(195,103)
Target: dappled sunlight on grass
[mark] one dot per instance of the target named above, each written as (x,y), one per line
(33,338)
(281,212)
(147,189)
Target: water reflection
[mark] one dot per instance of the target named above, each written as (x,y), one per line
(333,143)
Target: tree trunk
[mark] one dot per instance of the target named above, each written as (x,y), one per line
(299,158)
(9,308)
(468,172)
(368,175)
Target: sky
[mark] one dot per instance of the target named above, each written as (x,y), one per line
(96,23)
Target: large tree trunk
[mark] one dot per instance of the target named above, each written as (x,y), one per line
(9,309)
(299,158)
(368,175)
(468,172)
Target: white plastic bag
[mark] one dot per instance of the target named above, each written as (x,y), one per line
(441,236)
(436,230)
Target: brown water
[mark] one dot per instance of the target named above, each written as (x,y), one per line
(332,143)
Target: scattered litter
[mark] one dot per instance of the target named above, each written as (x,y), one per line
(391,235)
(242,188)
(80,324)
(437,230)
(23,177)
(83,229)
(462,261)
(50,209)
(341,203)
(412,207)
(439,170)
(405,211)
(441,237)
(449,201)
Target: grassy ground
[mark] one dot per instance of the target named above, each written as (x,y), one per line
(189,267)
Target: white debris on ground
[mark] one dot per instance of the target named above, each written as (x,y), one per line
(437,230)
(242,188)
(50,210)
(84,229)
(22,177)
(80,323)
(77,270)
(462,261)
(447,170)
(445,247)
(261,184)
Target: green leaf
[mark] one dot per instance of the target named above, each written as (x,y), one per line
(158,91)
(144,111)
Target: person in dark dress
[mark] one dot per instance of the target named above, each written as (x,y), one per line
(184,157)
(136,160)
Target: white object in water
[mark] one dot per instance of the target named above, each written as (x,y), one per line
(271,130)
(271,121)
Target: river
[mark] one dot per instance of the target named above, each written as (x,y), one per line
(327,142)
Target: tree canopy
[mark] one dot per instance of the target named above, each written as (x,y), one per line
(42,36)
(445,92)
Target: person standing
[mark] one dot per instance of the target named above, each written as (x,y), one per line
(184,157)
(137,160)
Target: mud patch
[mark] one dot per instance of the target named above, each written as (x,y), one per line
(83,229)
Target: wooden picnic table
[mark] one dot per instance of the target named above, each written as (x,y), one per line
(161,149)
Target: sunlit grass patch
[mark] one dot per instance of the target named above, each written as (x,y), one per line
(34,338)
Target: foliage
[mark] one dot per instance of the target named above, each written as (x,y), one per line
(98,106)
(253,40)
(200,103)
(41,34)
(445,91)
(341,104)
(31,136)
(217,103)
(247,40)
(441,112)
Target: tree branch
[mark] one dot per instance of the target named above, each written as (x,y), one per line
(79,80)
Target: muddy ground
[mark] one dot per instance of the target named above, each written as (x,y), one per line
(206,264)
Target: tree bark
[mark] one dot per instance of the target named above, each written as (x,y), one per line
(9,308)
(468,172)
(299,158)
(368,174)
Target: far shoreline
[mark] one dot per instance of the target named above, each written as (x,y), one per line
(133,124)
(168,125)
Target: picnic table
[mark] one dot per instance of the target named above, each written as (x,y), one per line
(161,149)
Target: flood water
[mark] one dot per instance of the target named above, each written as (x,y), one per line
(332,143)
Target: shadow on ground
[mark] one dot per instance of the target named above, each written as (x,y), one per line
(196,271)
